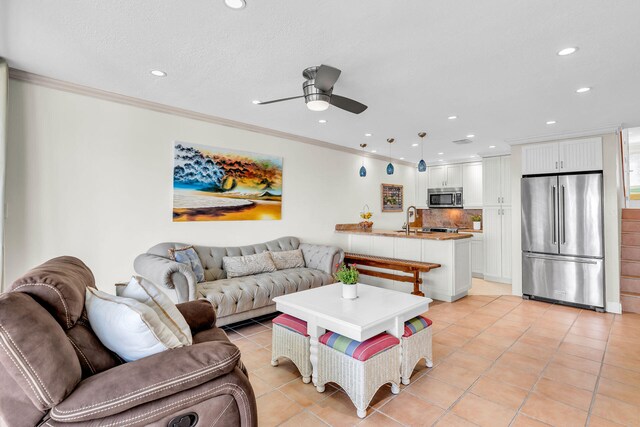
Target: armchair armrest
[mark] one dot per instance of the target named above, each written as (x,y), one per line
(321,257)
(165,272)
(199,314)
(151,378)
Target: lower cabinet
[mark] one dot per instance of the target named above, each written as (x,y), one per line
(497,243)
(477,255)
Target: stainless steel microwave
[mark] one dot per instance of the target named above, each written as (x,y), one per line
(445,197)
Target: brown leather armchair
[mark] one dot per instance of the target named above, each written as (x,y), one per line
(55,372)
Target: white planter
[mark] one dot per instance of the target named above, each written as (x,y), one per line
(477,225)
(350,291)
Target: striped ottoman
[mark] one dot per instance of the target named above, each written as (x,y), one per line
(416,345)
(360,368)
(290,340)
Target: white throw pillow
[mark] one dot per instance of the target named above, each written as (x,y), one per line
(127,327)
(239,266)
(147,293)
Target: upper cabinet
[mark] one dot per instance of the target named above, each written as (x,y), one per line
(445,176)
(472,185)
(496,181)
(422,184)
(575,155)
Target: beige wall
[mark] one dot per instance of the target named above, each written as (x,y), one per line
(93,179)
(612,207)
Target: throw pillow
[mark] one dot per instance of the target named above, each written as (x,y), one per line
(188,256)
(147,293)
(127,327)
(288,259)
(238,266)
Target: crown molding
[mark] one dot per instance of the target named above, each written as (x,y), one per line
(49,82)
(566,135)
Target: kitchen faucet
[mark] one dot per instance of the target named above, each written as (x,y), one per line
(415,212)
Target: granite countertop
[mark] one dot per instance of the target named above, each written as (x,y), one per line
(413,235)
(469,230)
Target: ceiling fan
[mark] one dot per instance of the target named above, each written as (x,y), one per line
(318,91)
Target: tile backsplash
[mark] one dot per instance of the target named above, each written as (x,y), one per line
(460,218)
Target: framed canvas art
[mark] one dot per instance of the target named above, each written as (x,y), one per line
(392,198)
(220,184)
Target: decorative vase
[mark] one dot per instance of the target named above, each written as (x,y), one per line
(476,225)
(350,291)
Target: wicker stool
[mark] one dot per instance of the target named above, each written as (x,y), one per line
(290,340)
(360,368)
(416,345)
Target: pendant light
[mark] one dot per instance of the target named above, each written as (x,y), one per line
(422,165)
(390,168)
(363,170)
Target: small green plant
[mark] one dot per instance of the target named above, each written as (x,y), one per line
(476,218)
(347,274)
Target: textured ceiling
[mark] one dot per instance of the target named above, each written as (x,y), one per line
(492,63)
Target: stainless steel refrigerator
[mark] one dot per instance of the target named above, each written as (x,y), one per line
(563,238)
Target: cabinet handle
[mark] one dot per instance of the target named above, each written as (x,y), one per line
(561,164)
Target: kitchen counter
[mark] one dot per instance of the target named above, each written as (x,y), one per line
(469,230)
(413,235)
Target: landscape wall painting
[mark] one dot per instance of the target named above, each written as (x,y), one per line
(219,184)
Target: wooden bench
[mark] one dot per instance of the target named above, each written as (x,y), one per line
(412,267)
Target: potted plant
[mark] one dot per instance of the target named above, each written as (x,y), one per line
(348,276)
(477,221)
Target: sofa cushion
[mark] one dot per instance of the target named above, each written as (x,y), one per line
(128,327)
(187,255)
(237,295)
(288,259)
(291,323)
(359,350)
(239,266)
(415,325)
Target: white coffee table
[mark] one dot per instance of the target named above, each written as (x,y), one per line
(376,310)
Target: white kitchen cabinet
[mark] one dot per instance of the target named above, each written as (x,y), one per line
(477,255)
(453,176)
(497,243)
(496,181)
(437,176)
(422,185)
(445,176)
(472,185)
(574,155)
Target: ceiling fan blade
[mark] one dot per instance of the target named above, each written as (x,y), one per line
(279,100)
(326,77)
(347,104)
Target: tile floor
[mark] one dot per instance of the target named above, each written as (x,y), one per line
(485,287)
(499,361)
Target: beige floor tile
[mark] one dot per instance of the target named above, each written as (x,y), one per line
(483,412)
(543,331)
(379,420)
(274,408)
(452,420)
(622,362)
(261,338)
(382,396)
(539,341)
(256,359)
(504,331)
(441,352)
(462,331)
(304,394)
(552,412)
(454,375)
(499,392)
(581,351)
(449,339)
(511,325)
(541,353)
(438,326)
(616,411)
(411,411)
(304,419)
(250,329)
(570,376)
(596,421)
(513,376)
(494,340)
(520,361)
(524,421)
(565,393)
(279,375)
(584,341)
(622,348)
(337,410)
(260,386)
(477,321)
(246,346)
(620,374)
(594,333)
(624,392)
(471,362)
(483,350)
(435,391)
(232,335)
(579,363)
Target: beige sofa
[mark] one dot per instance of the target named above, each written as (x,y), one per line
(238,298)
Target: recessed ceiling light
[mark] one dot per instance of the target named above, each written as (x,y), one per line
(583,89)
(414,145)
(374,151)
(367,134)
(470,135)
(440,154)
(236,4)
(551,122)
(158,73)
(452,117)
(323,121)
(567,51)
(255,102)
(492,146)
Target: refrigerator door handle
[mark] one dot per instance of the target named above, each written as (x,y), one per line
(564,223)
(554,232)
(561,258)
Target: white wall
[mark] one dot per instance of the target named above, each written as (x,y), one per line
(93,179)
(612,212)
